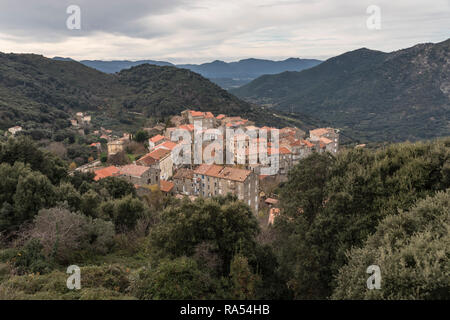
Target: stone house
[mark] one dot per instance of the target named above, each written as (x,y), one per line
(161,159)
(213,180)
(139,175)
(184,181)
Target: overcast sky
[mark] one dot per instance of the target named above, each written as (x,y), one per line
(182,31)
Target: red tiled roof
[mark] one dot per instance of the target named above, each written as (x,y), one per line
(184,173)
(158,154)
(208,169)
(320,131)
(189,127)
(228,173)
(157,138)
(196,113)
(271,201)
(154,156)
(234,174)
(325,140)
(166,186)
(220,116)
(105,172)
(284,150)
(208,115)
(169,145)
(133,170)
(146,160)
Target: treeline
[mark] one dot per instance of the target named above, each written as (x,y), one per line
(388,207)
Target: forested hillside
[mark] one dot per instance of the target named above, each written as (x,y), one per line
(387,207)
(41,94)
(375,96)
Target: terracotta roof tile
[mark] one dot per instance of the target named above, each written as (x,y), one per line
(169,145)
(157,138)
(188,127)
(325,140)
(320,131)
(166,186)
(196,113)
(153,157)
(184,173)
(133,170)
(228,173)
(271,201)
(105,172)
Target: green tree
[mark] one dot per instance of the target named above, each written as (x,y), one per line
(178,279)
(90,202)
(117,188)
(34,192)
(227,224)
(23,149)
(66,192)
(126,212)
(412,250)
(244,282)
(77,178)
(141,136)
(30,259)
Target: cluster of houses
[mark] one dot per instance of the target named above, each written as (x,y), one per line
(242,178)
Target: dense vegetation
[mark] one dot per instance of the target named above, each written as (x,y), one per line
(371,95)
(388,207)
(331,205)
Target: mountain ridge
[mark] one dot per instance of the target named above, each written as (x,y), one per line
(396,96)
(42,94)
(225,74)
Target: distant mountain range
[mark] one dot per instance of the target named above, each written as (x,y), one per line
(371,94)
(42,94)
(227,75)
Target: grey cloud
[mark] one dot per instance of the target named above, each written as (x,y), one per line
(46,19)
(197,30)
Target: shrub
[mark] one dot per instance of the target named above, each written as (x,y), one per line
(64,234)
(177,279)
(30,259)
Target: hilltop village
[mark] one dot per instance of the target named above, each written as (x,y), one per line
(158,168)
